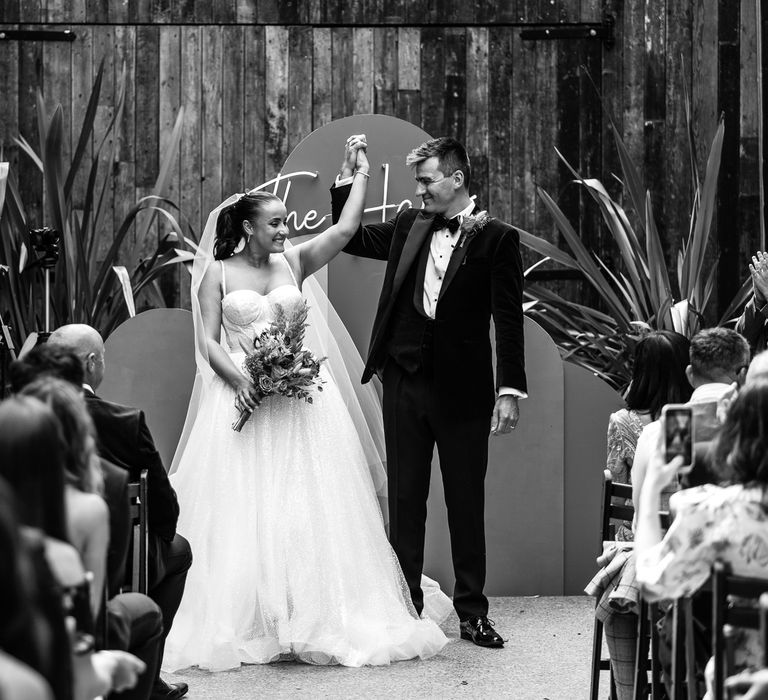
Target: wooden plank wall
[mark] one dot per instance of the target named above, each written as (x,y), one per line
(256,76)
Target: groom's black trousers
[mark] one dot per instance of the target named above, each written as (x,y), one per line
(416,419)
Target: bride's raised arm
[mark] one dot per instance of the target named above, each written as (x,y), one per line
(315,253)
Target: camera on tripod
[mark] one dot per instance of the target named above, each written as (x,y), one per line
(45,243)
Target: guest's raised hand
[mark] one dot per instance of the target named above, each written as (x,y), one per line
(758,269)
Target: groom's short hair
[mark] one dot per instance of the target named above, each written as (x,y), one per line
(449,152)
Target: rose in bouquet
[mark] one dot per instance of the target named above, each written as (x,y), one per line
(278,364)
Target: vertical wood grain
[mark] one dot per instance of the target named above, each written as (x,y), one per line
(385,70)
(322,77)
(9,105)
(190,152)
(299,85)
(749,147)
(169,101)
(654,107)
(455,83)
(500,126)
(433,81)
(276,112)
(409,75)
(477,109)
(343,83)
(362,70)
(211,118)
(30,58)
(255,79)
(82,84)
(104,50)
(677,204)
(233,111)
(124,166)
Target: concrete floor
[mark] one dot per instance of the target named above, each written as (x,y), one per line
(547,656)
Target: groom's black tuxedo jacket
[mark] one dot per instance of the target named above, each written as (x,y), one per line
(123,437)
(483,279)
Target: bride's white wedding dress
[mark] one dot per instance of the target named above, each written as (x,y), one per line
(291,560)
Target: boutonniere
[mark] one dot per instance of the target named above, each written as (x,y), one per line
(472,225)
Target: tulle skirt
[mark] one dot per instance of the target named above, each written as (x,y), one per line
(291,560)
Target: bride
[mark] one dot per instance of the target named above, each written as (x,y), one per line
(291,560)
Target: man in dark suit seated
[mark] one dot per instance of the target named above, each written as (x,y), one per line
(134,622)
(124,439)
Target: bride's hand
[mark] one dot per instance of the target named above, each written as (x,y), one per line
(247,398)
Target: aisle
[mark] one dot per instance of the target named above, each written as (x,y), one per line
(547,656)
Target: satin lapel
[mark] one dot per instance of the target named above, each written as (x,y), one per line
(457,257)
(420,229)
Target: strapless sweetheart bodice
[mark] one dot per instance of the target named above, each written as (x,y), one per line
(245,313)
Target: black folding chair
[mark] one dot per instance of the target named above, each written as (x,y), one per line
(137,494)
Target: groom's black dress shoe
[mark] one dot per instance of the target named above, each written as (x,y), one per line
(168,691)
(480,631)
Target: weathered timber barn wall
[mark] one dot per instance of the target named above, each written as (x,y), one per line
(256,76)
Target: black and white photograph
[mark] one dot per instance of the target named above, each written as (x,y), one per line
(383,349)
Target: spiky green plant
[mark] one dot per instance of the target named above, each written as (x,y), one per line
(639,297)
(85,287)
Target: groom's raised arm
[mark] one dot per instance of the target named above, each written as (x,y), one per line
(372,241)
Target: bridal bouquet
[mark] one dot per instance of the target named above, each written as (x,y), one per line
(278,364)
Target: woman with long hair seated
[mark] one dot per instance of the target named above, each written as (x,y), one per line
(658,378)
(87,515)
(727,522)
(32,446)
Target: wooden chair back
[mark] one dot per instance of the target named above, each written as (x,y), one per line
(734,605)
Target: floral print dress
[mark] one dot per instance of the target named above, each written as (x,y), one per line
(624,428)
(711,522)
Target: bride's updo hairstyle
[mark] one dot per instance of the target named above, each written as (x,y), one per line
(229,225)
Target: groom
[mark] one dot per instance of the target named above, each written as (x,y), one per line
(449,269)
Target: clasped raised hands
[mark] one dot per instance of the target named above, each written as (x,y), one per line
(758,269)
(354,155)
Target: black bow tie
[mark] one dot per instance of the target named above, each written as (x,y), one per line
(440,222)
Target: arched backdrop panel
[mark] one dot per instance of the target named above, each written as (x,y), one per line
(150,364)
(589,401)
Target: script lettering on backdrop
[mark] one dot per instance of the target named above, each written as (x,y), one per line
(281,187)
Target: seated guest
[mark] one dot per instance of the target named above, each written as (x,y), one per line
(31,449)
(50,361)
(124,439)
(134,621)
(711,522)
(719,358)
(658,378)
(86,512)
(753,322)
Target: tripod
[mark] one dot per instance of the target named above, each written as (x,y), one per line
(45,243)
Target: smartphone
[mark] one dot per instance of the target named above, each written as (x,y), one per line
(677,424)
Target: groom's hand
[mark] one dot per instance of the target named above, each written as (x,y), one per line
(353,144)
(506,413)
